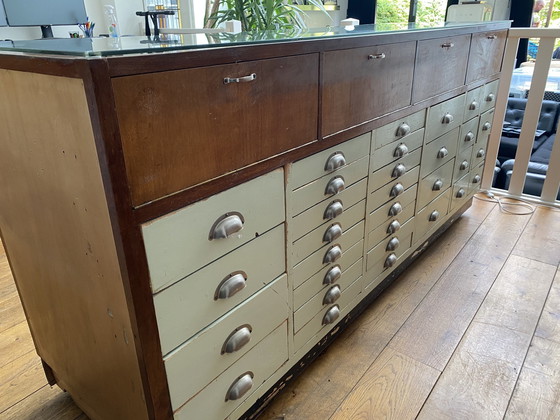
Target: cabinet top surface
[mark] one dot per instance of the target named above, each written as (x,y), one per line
(128,45)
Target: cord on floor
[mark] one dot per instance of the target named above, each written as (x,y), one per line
(504,206)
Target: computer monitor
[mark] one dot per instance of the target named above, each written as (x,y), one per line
(45,13)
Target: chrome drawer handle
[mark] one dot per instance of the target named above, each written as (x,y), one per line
(335,161)
(333,254)
(390,261)
(332,295)
(493,36)
(433,216)
(237,339)
(447,45)
(473,106)
(400,151)
(481,153)
(240,386)
(490,97)
(244,79)
(230,285)
(398,170)
(333,275)
(469,136)
(396,190)
(379,56)
(476,179)
(331,315)
(226,225)
(333,209)
(335,186)
(393,227)
(438,185)
(447,119)
(332,233)
(403,130)
(460,193)
(464,165)
(443,152)
(486,126)
(392,244)
(395,209)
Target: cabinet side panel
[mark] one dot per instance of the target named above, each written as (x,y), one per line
(57,232)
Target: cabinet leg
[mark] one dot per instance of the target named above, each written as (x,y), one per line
(49,373)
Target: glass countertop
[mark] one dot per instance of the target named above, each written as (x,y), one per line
(102,47)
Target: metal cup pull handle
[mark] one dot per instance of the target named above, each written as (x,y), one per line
(392,244)
(473,105)
(476,179)
(240,386)
(390,261)
(395,209)
(333,254)
(331,315)
(332,233)
(481,153)
(400,150)
(403,129)
(460,193)
(335,161)
(464,165)
(244,79)
(398,170)
(226,225)
(438,185)
(486,126)
(393,227)
(469,137)
(230,285)
(332,295)
(396,190)
(333,209)
(443,152)
(237,339)
(490,97)
(333,275)
(433,216)
(335,186)
(447,118)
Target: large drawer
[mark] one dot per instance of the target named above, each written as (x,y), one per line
(444,117)
(396,130)
(396,170)
(473,103)
(485,57)
(469,131)
(197,297)
(179,243)
(432,215)
(396,150)
(435,184)
(438,152)
(196,363)
(260,363)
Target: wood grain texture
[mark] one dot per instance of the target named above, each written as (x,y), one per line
(549,325)
(19,378)
(56,211)
(15,342)
(486,53)
(541,239)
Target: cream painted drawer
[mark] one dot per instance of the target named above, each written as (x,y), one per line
(260,362)
(396,150)
(432,215)
(395,170)
(395,243)
(485,126)
(444,117)
(395,188)
(379,272)
(195,298)
(320,258)
(328,161)
(398,129)
(197,362)
(435,184)
(392,208)
(391,227)
(460,193)
(478,154)
(462,163)
(473,103)
(388,260)
(328,232)
(178,244)
(328,186)
(489,96)
(438,152)
(328,295)
(475,178)
(469,131)
(320,213)
(317,281)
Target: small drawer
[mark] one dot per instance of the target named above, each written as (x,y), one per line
(397,130)
(329,295)
(224,342)
(393,208)
(321,213)
(181,242)
(306,290)
(328,232)
(389,227)
(394,243)
(395,170)
(475,178)
(432,215)
(396,150)
(439,152)
(328,254)
(444,117)
(469,131)
(473,103)
(460,193)
(462,163)
(485,126)
(435,184)
(236,276)
(489,96)
(259,364)
(328,161)
(328,186)
(395,188)
(376,264)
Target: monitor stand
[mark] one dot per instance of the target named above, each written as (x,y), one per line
(46,31)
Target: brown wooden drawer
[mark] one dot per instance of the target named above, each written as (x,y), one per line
(462,163)
(473,103)
(435,184)
(395,170)
(444,117)
(181,128)
(432,215)
(441,65)
(489,96)
(485,57)
(439,152)
(360,84)
(469,131)
(398,130)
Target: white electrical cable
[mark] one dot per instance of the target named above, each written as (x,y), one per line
(493,199)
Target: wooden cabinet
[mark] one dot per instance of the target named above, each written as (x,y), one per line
(485,55)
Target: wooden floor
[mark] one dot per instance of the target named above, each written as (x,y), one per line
(470,331)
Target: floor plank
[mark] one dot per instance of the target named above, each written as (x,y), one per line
(15,342)
(549,324)
(541,240)
(11,312)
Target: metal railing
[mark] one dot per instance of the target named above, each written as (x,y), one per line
(530,120)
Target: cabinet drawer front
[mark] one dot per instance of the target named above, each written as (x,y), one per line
(380,82)
(376,264)
(164,116)
(485,57)
(489,96)
(377,250)
(314,284)
(469,132)
(439,152)
(441,65)
(473,103)
(382,231)
(393,170)
(318,191)
(398,130)
(178,244)
(315,216)
(460,193)
(444,117)
(328,161)
(395,188)
(194,298)
(262,361)
(260,314)
(382,213)
(432,215)
(475,178)
(462,163)
(427,187)
(316,238)
(479,149)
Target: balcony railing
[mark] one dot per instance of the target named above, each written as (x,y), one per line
(547,38)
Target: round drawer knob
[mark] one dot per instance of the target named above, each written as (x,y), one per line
(481,153)
(395,209)
(335,186)
(473,106)
(335,161)
(240,387)
(486,126)
(230,285)
(331,315)
(460,193)
(443,152)
(393,226)
(396,190)
(438,185)
(434,216)
(237,339)
(469,137)
(398,170)
(403,130)
(332,275)
(332,233)
(447,119)
(464,165)
(332,295)
(476,179)
(400,150)
(390,261)
(490,97)
(392,244)
(226,225)
(333,254)
(333,209)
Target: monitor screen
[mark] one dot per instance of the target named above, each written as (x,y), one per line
(3,21)
(42,12)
